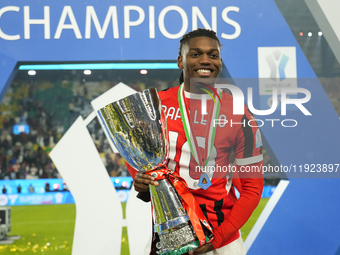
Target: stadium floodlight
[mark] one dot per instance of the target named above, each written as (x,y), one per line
(320,33)
(310,34)
(87,72)
(31,72)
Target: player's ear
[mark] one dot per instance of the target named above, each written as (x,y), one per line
(180,62)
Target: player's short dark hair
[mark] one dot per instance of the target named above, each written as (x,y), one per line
(199,32)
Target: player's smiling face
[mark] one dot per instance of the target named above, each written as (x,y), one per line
(200,59)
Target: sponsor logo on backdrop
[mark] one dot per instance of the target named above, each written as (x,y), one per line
(58,198)
(3,200)
(276,69)
(278,83)
(122,195)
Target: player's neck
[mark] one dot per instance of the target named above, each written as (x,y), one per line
(192,89)
(187,87)
(195,96)
(195,85)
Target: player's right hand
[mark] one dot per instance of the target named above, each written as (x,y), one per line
(142,182)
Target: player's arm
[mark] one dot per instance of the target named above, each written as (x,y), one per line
(250,194)
(248,156)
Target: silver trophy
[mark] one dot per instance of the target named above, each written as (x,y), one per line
(137,126)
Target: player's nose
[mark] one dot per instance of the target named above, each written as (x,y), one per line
(204,59)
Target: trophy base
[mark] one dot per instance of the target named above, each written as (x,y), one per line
(177,241)
(172,223)
(183,249)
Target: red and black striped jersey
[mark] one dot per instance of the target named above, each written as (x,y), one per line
(237,138)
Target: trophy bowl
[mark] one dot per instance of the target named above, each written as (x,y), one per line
(137,127)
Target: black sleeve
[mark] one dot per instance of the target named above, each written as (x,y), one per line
(145,196)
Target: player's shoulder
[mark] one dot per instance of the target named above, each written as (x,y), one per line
(227,103)
(226,96)
(168,93)
(227,100)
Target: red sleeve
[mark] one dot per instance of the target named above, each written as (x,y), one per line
(250,194)
(131,170)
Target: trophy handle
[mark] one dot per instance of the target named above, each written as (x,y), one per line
(154,97)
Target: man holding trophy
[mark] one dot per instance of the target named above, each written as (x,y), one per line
(191,186)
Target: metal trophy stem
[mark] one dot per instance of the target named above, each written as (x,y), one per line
(172,221)
(137,126)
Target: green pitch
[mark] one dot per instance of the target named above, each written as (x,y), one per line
(44,229)
(48,229)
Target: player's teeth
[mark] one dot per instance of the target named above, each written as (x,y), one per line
(203,71)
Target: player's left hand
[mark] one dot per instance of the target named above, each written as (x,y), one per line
(202,250)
